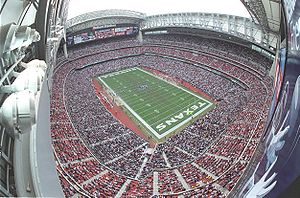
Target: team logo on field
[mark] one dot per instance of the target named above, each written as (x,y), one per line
(142,87)
(182,115)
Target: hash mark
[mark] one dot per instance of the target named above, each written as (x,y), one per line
(156,111)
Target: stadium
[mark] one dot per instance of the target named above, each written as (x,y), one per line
(119,103)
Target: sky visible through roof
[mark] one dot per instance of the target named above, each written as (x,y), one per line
(152,7)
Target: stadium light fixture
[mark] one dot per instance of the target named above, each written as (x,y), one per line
(17,113)
(31,78)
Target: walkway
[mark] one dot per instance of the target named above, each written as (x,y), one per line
(182,181)
(185,152)
(78,161)
(155,183)
(166,159)
(218,156)
(141,169)
(205,171)
(123,188)
(117,158)
(95,177)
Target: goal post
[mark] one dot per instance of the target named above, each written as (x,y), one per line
(113,97)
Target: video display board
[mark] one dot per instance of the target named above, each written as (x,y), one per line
(101,33)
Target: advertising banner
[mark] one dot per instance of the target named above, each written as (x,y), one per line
(279,167)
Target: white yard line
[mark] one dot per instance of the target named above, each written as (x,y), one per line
(190,103)
(132,111)
(159,136)
(175,86)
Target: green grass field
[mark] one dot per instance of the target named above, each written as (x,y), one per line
(160,106)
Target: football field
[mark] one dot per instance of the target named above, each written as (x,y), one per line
(160,106)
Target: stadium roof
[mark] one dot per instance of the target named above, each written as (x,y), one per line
(265,12)
(104,14)
(154,7)
(272,8)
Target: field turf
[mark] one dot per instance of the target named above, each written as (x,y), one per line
(160,106)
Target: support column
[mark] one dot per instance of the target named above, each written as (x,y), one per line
(140,36)
(65,50)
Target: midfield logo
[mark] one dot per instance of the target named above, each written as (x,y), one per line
(142,87)
(181,116)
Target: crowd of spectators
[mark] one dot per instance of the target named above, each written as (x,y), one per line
(125,164)
(193,176)
(142,188)
(83,170)
(230,147)
(100,153)
(204,192)
(67,188)
(229,179)
(232,51)
(70,150)
(106,185)
(168,183)
(215,165)
(62,130)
